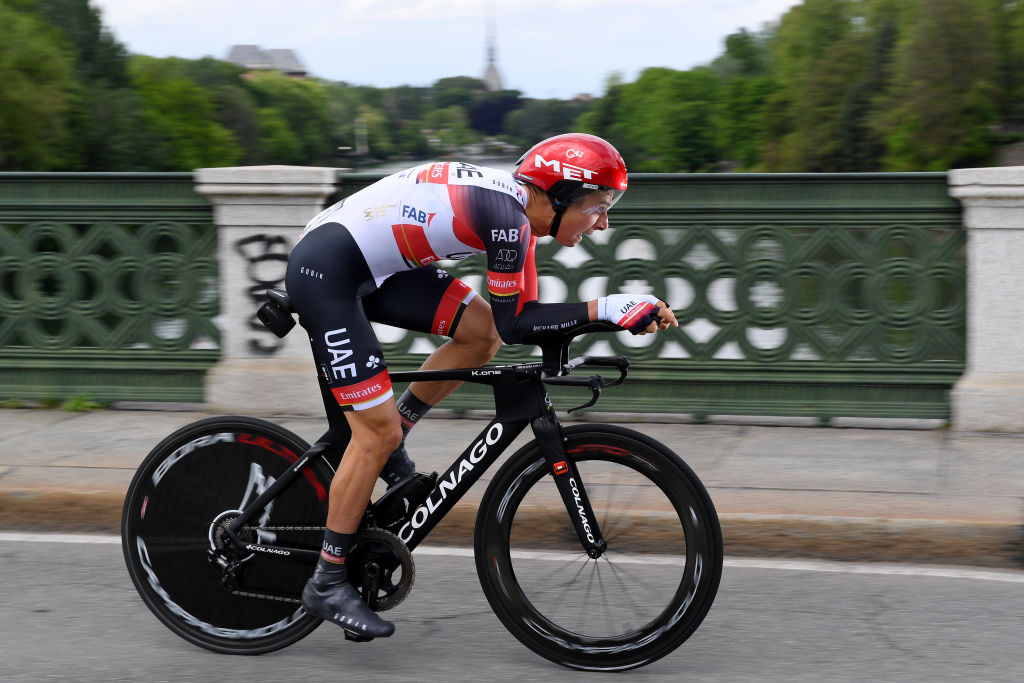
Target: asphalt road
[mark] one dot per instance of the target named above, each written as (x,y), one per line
(68,612)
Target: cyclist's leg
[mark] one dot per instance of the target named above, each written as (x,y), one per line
(474,343)
(329,594)
(431,300)
(376,433)
(327,278)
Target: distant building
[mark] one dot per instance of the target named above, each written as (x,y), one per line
(492,77)
(255,58)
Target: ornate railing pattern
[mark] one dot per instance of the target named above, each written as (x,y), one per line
(816,295)
(108,286)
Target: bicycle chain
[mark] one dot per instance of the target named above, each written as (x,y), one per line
(389,601)
(279,598)
(264,596)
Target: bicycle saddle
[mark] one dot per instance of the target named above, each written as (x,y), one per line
(276,314)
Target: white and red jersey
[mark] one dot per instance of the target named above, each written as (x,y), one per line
(448,211)
(430,213)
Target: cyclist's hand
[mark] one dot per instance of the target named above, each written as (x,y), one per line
(663,319)
(638,313)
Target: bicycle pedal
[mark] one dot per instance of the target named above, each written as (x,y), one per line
(355,638)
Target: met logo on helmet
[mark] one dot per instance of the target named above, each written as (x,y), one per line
(568,171)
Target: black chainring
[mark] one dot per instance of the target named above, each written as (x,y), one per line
(383,553)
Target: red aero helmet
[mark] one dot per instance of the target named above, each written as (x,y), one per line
(573,161)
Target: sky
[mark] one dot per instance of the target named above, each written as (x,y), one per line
(544,48)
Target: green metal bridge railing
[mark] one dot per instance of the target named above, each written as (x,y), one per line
(812,295)
(108,286)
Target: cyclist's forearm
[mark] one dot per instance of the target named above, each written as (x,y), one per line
(536,319)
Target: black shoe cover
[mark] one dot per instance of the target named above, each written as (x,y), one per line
(341,604)
(398,467)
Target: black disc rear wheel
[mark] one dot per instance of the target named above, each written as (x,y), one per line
(644,596)
(187,490)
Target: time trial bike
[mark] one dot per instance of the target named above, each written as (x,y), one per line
(595,545)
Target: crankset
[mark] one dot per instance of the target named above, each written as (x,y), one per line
(221,550)
(381,568)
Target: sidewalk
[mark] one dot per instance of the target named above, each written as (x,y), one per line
(921,495)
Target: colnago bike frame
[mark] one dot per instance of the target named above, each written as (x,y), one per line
(520,400)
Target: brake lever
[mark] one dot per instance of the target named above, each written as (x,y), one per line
(596,389)
(620,363)
(594,383)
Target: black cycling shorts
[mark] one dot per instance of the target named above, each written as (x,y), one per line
(333,292)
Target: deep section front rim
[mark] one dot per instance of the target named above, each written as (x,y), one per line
(648,592)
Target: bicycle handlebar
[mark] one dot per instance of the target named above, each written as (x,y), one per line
(594,382)
(555,347)
(556,364)
(276,314)
(620,363)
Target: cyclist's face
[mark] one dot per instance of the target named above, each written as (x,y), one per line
(584,217)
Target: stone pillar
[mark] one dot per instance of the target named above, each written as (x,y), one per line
(259,212)
(990,395)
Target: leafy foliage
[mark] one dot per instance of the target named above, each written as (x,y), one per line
(834,85)
(37,91)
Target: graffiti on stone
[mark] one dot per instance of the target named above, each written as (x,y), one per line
(266,259)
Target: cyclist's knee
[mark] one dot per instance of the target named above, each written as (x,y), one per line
(476,330)
(378,442)
(377,431)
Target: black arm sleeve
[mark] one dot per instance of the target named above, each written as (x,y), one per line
(500,222)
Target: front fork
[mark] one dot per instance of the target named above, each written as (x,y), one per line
(548,431)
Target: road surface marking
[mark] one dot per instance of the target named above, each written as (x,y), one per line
(826,566)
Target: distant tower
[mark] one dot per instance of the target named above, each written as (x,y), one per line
(491,77)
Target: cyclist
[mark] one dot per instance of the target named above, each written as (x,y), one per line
(372,257)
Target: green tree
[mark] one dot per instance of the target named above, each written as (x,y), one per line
(1008,29)
(100,59)
(237,112)
(944,96)
(343,103)
(37,89)
(180,117)
(459,91)
(667,115)
(746,56)
(739,113)
(405,103)
(410,141)
(106,128)
(487,114)
(405,107)
(304,106)
(540,119)
(818,54)
(277,143)
(860,146)
(378,131)
(602,119)
(451,128)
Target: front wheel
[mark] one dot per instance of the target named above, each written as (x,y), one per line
(187,490)
(644,596)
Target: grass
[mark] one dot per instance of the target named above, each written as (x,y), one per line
(82,403)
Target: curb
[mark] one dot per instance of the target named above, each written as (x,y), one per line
(982,544)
